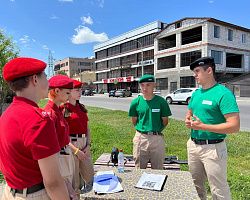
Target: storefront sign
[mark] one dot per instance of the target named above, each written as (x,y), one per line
(118,80)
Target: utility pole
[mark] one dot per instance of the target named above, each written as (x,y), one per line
(50,65)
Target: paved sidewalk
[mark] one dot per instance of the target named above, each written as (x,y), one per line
(245,99)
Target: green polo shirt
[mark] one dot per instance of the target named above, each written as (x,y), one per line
(210,106)
(149,113)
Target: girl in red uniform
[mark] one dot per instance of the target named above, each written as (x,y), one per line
(77,118)
(28,141)
(59,92)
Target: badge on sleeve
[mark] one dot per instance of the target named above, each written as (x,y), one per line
(155,110)
(43,113)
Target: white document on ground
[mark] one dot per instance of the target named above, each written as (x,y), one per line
(151,181)
(106,182)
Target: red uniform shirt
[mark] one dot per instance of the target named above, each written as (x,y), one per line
(27,134)
(77,119)
(62,127)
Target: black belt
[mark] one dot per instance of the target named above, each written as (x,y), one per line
(151,132)
(29,190)
(76,135)
(202,142)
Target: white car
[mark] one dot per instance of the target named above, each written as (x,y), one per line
(181,95)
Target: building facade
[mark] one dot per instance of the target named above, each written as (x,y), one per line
(188,39)
(74,66)
(87,77)
(120,61)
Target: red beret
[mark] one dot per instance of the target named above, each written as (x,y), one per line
(61,81)
(77,84)
(21,67)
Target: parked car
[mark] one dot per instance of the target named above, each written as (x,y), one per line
(123,93)
(88,92)
(112,93)
(181,95)
(155,92)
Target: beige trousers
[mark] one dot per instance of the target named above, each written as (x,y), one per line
(209,162)
(39,195)
(83,168)
(67,165)
(148,148)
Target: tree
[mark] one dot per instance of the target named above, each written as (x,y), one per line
(8,51)
(62,73)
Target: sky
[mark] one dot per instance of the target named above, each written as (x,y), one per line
(70,28)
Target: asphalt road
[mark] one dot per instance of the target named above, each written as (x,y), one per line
(177,110)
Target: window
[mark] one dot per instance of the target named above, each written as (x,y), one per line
(173,86)
(243,38)
(101,76)
(128,46)
(217,55)
(128,72)
(187,81)
(101,54)
(191,36)
(101,65)
(162,83)
(177,25)
(114,50)
(167,42)
(147,40)
(114,63)
(147,55)
(166,62)
(216,31)
(128,60)
(189,57)
(234,60)
(230,34)
(148,70)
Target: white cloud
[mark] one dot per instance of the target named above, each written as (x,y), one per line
(87,20)
(25,39)
(54,17)
(211,1)
(100,3)
(65,0)
(85,35)
(45,47)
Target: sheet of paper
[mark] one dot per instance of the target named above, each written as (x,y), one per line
(151,181)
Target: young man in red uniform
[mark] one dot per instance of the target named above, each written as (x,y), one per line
(77,118)
(60,89)
(28,159)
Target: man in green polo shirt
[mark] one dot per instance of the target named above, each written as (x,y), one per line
(212,114)
(149,114)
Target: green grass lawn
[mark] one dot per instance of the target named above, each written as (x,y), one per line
(114,128)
